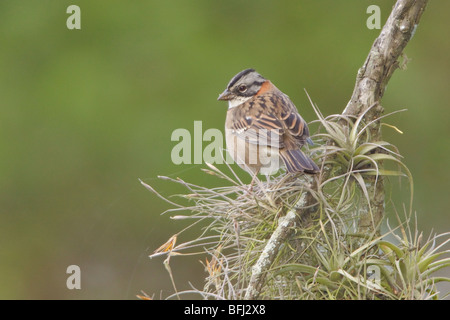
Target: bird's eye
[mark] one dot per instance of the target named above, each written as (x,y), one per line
(242,88)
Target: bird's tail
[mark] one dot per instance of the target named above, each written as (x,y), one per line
(296,161)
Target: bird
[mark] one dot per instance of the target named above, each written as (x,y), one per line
(263,125)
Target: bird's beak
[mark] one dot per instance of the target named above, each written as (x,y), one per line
(226,95)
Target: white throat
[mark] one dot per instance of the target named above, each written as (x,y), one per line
(237,101)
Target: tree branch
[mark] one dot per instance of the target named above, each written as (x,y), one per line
(285,227)
(370,86)
(383,57)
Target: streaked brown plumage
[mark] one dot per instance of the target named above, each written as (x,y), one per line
(263,125)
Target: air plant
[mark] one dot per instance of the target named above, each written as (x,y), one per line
(325,254)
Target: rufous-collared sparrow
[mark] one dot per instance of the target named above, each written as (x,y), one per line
(263,125)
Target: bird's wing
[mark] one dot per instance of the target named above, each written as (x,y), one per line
(294,124)
(270,119)
(261,128)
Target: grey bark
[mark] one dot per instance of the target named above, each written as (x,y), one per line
(371,81)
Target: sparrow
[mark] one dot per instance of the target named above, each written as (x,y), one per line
(263,125)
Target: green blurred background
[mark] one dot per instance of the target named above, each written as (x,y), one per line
(85,113)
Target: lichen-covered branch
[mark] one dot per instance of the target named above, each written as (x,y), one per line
(371,81)
(282,232)
(382,60)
